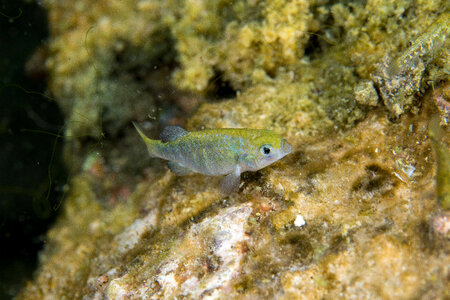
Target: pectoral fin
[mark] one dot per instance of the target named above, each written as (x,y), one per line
(231,182)
(178,169)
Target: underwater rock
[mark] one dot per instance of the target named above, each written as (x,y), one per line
(366,94)
(201,264)
(364,219)
(113,62)
(363,186)
(401,80)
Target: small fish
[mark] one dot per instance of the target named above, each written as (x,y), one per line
(217,151)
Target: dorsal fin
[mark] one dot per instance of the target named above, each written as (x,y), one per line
(171,133)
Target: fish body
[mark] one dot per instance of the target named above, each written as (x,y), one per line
(218,151)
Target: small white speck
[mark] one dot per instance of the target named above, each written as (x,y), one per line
(299,221)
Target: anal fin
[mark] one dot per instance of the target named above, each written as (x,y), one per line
(178,169)
(230,183)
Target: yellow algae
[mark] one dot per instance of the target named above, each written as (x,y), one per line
(237,38)
(283,219)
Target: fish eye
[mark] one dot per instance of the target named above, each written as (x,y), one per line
(266,149)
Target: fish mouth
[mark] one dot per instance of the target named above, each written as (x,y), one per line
(286,148)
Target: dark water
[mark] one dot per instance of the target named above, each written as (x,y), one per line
(28,150)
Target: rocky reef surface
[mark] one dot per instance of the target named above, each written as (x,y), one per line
(350,214)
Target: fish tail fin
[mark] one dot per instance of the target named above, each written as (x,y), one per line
(152,145)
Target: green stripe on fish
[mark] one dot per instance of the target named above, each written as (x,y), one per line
(216,152)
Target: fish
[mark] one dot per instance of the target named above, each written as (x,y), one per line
(217,152)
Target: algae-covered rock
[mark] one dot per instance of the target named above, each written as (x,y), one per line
(368,228)
(246,41)
(402,79)
(104,57)
(111,62)
(348,214)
